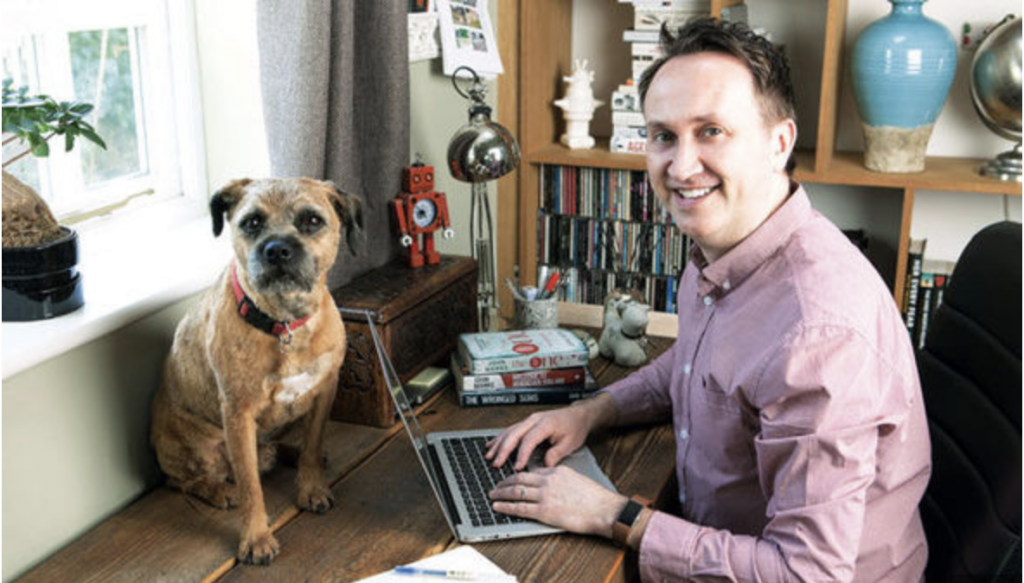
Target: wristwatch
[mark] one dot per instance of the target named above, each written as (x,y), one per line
(627,518)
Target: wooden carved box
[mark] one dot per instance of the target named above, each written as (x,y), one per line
(421,313)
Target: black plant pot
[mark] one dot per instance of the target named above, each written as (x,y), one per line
(42,281)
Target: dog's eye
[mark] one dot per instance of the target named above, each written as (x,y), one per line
(310,222)
(252,224)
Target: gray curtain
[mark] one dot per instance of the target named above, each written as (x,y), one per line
(335,81)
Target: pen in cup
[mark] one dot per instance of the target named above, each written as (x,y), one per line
(514,289)
(549,286)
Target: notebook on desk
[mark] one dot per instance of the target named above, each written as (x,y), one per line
(460,477)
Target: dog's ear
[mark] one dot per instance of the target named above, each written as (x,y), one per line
(224,200)
(350,209)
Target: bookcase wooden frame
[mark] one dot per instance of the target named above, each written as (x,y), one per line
(535,39)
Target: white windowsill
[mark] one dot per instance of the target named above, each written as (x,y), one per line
(130,269)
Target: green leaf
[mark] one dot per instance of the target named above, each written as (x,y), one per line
(90,135)
(69,141)
(41,150)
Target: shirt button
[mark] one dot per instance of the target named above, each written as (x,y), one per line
(682,497)
(708,300)
(687,368)
(727,285)
(684,434)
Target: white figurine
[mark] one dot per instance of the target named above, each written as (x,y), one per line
(579,105)
(625,325)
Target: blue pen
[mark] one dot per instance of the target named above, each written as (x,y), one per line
(451,574)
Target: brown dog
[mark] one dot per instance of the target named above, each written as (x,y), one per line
(260,349)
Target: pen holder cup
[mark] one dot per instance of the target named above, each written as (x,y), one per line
(532,314)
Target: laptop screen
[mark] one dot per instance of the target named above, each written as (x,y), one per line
(412,426)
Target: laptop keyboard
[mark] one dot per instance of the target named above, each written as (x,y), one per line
(476,477)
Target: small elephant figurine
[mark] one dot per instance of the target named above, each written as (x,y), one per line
(625,325)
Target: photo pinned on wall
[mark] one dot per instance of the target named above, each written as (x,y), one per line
(467,37)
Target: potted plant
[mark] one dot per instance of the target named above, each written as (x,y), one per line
(40,279)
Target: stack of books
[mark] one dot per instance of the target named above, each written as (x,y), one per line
(516,367)
(629,131)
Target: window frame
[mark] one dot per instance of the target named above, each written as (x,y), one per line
(171,101)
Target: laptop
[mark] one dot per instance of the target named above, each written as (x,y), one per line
(460,477)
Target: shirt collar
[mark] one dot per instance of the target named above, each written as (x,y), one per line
(730,270)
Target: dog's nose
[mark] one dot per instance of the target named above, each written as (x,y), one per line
(277,251)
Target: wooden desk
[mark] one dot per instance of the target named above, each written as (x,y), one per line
(386,514)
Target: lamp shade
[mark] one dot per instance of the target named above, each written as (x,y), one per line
(482,150)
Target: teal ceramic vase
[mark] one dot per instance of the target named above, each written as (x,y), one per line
(903,66)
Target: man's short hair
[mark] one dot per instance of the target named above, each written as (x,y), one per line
(766,64)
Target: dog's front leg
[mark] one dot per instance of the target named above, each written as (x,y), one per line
(257,544)
(314,492)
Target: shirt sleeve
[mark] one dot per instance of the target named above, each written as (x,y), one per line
(643,396)
(823,398)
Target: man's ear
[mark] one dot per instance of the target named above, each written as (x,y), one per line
(224,200)
(783,142)
(350,210)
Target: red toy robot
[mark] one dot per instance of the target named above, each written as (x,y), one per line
(421,210)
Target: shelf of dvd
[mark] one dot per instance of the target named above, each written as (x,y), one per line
(603,229)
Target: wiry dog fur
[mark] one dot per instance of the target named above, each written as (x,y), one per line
(228,387)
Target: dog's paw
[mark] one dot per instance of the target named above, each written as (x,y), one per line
(258,550)
(222,495)
(316,498)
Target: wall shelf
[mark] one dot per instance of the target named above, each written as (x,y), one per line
(534,35)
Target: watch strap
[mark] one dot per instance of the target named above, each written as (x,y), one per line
(627,518)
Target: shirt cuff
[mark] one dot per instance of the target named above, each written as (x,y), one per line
(666,548)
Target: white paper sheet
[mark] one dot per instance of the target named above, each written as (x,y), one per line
(464,558)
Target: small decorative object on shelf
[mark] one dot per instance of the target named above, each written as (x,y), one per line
(996,94)
(903,66)
(579,105)
(625,325)
(420,210)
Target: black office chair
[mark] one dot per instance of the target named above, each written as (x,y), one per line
(971,378)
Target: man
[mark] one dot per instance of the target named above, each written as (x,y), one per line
(802,444)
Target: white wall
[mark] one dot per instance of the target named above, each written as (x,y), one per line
(946,219)
(236,144)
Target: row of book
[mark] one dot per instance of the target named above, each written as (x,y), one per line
(605,193)
(592,286)
(657,249)
(925,284)
(516,367)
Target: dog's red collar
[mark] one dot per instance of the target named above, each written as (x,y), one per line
(257,318)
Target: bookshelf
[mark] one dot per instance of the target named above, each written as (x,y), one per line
(536,42)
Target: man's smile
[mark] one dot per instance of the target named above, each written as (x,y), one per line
(694,193)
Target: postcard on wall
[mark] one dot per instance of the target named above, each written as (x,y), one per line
(467,37)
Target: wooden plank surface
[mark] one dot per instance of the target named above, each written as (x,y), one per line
(167,536)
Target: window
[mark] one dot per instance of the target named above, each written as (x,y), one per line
(117,55)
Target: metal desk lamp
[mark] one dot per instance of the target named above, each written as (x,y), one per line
(481,151)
